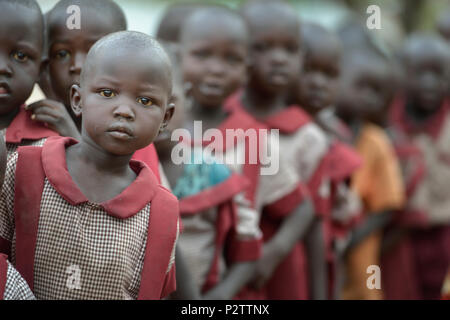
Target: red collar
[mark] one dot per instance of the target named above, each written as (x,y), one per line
(123,206)
(22,127)
(432,127)
(287,121)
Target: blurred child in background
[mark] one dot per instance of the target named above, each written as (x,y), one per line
(378,182)
(288,223)
(316,92)
(421,114)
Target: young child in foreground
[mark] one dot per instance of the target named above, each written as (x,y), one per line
(67,50)
(288,222)
(316,94)
(21,45)
(99,235)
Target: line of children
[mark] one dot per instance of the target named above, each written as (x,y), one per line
(85,229)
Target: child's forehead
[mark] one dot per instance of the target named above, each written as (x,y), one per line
(22,23)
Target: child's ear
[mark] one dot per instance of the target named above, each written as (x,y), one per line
(76,100)
(168,115)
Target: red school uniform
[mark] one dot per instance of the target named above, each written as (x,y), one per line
(302,146)
(431,244)
(23,131)
(67,247)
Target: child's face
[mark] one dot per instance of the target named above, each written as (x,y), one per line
(317,83)
(123,99)
(274,56)
(21,41)
(426,79)
(214,63)
(364,87)
(68,48)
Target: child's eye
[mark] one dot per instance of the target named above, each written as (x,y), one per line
(144,101)
(107,93)
(20,56)
(61,54)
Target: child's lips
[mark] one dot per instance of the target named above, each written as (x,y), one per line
(4,90)
(119,131)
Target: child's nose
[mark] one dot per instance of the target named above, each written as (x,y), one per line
(5,68)
(216,67)
(124,110)
(279,56)
(77,63)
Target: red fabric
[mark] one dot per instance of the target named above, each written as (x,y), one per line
(432,126)
(123,206)
(162,233)
(431,249)
(3,274)
(290,279)
(221,196)
(283,207)
(22,127)
(398,273)
(149,156)
(5,246)
(213,196)
(27,201)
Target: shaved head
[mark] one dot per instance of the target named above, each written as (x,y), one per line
(124,41)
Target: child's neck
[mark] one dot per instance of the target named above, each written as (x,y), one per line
(90,155)
(6,119)
(262,104)
(211,116)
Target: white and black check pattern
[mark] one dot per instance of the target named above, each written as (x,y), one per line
(109,252)
(16,287)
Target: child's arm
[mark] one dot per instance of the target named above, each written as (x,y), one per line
(55,115)
(293,228)
(315,249)
(373,222)
(237,276)
(186,289)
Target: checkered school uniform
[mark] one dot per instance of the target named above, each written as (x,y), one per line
(12,285)
(84,250)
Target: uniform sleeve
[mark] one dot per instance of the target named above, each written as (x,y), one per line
(246,237)
(170,280)
(7,206)
(16,287)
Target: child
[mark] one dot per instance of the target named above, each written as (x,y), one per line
(173,19)
(20,61)
(316,94)
(99,235)
(421,114)
(67,51)
(221,238)
(378,182)
(274,64)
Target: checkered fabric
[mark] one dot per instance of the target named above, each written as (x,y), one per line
(12,147)
(16,287)
(81,252)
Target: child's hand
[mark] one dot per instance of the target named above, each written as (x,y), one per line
(55,115)
(266,266)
